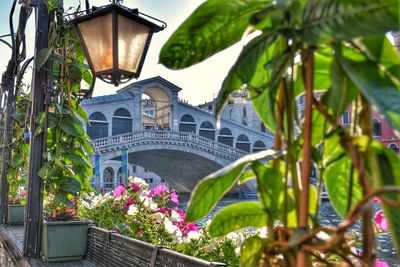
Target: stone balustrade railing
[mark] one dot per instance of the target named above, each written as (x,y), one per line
(167,136)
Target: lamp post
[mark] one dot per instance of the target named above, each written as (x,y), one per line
(116,39)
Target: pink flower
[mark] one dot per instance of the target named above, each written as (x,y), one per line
(158,191)
(119,190)
(174,197)
(182,214)
(135,187)
(381,220)
(379,263)
(139,232)
(163,210)
(377,199)
(129,202)
(191,227)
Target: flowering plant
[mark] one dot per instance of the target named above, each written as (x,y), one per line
(154,216)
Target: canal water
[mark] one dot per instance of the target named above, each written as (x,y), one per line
(327,216)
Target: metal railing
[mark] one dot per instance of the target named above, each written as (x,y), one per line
(168,136)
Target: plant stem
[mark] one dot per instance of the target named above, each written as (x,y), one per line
(369,243)
(307,135)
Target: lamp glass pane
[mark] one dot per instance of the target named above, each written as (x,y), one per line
(97,35)
(132,37)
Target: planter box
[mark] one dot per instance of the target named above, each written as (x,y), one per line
(16,214)
(109,249)
(64,241)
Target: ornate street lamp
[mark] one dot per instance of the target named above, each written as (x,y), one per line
(115,39)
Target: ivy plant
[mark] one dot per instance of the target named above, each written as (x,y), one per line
(67,170)
(337,54)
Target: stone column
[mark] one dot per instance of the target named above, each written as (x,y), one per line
(137,115)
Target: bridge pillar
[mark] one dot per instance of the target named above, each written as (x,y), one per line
(137,114)
(97,171)
(124,165)
(174,118)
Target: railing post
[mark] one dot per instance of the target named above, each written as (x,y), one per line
(33,213)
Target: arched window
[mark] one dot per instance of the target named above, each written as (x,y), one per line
(259,146)
(394,147)
(98,126)
(225,137)
(207,130)
(243,143)
(121,122)
(108,178)
(377,127)
(187,124)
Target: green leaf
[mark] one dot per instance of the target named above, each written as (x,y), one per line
(72,126)
(213,26)
(213,187)
(252,250)
(337,177)
(265,107)
(270,189)
(237,216)
(246,176)
(71,185)
(376,87)
(249,68)
(327,20)
(78,110)
(42,56)
(343,91)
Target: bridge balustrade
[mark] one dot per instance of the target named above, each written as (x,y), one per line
(167,135)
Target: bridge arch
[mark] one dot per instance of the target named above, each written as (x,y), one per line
(97,126)
(108,178)
(159,101)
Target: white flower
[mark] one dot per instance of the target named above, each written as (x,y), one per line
(169,226)
(158,217)
(237,251)
(140,182)
(262,232)
(236,238)
(153,206)
(132,210)
(323,236)
(175,217)
(193,235)
(145,200)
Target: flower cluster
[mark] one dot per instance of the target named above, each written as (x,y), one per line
(154,216)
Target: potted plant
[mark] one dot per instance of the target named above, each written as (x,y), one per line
(18,163)
(66,171)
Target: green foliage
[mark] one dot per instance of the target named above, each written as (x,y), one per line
(213,187)
(18,167)
(237,216)
(339,51)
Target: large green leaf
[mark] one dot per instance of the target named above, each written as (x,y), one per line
(325,20)
(252,250)
(250,67)
(213,187)
(265,106)
(343,91)
(238,216)
(270,188)
(376,87)
(337,177)
(213,26)
(71,125)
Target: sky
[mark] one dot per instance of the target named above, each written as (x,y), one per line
(200,83)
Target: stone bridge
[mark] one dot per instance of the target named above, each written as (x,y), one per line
(180,158)
(166,138)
